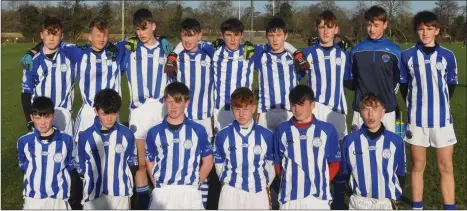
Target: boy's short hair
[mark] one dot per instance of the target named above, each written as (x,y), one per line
(300,93)
(242,97)
(190,26)
(52,25)
(42,106)
(232,24)
(426,18)
(371,100)
(376,13)
(328,17)
(99,23)
(276,24)
(178,91)
(108,100)
(142,18)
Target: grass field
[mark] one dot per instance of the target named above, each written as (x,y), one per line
(13,126)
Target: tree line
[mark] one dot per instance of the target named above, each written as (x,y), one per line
(25,17)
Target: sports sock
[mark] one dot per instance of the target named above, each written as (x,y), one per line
(142,193)
(449,206)
(417,205)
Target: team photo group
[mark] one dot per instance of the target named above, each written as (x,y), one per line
(199,136)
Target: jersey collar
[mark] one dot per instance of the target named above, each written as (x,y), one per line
(419,45)
(238,129)
(98,125)
(56,136)
(166,124)
(382,39)
(314,121)
(364,129)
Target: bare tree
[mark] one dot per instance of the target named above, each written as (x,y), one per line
(446,10)
(394,8)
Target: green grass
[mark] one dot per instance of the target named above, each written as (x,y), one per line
(13,127)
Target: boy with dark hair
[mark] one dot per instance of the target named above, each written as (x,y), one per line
(376,68)
(244,157)
(329,73)
(428,79)
(307,150)
(105,150)
(45,158)
(174,149)
(374,160)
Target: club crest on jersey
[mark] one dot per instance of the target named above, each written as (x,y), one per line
(338,61)
(303,137)
(133,128)
(385,58)
(119,148)
(58,157)
(188,144)
(317,142)
(386,153)
(408,134)
(63,68)
(257,149)
(439,66)
(162,60)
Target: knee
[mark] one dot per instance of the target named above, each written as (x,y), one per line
(418,166)
(445,167)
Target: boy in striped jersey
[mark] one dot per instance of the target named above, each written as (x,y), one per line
(244,157)
(374,159)
(45,158)
(329,73)
(428,79)
(307,151)
(104,151)
(174,150)
(52,75)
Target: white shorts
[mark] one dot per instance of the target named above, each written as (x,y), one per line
(145,117)
(436,137)
(389,121)
(308,203)
(63,120)
(234,198)
(222,118)
(337,119)
(105,202)
(45,204)
(272,118)
(84,120)
(207,124)
(364,203)
(176,197)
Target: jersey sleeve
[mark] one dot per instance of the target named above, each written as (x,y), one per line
(345,165)
(268,137)
(23,161)
(82,155)
(27,83)
(401,159)
(204,144)
(151,146)
(278,147)
(73,52)
(131,148)
(332,145)
(259,49)
(452,69)
(404,77)
(206,46)
(69,154)
(219,153)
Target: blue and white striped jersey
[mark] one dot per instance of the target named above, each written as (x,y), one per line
(304,155)
(177,154)
(428,77)
(46,165)
(52,78)
(104,161)
(145,72)
(195,71)
(231,71)
(244,156)
(373,165)
(329,69)
(276,78)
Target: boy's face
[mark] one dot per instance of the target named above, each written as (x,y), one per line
(244,115)
(276,39)
(175,109)
(51,38)
(376,28)
(232,40)
(107,120)
(43,123)
(98,39)
(427,34)
(190,39)
(303,111)
(372,115)
(146,34)
(326,33)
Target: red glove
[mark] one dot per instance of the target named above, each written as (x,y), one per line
(301,64)
(170,67)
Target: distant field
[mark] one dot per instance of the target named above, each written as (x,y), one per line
(13,126)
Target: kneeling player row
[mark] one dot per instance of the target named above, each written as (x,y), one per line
(179,157)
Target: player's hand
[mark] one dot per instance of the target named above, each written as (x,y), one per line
(131,43)
(30,126)
(249,49)
(26,61)
(111,51)
(165,45)
(218,43)
(301,64)
(170,67)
